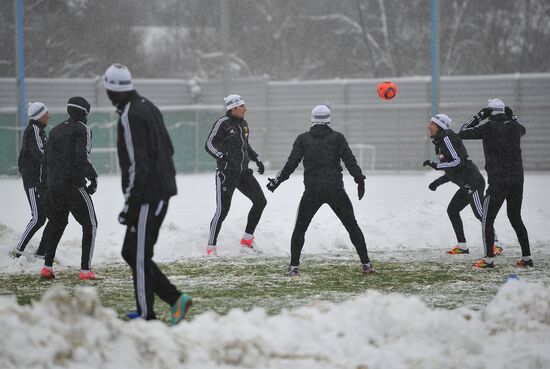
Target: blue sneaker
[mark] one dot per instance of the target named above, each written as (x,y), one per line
(180,308)
(133,315)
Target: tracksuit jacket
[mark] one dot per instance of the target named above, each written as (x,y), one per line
(453,158)
(32,160)
(501,146)
(321,148)
(68,155)
(145,152)
(228,144)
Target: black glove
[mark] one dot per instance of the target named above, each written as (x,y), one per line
(273,184)
(509,113)
(129,214)
(429,163)
(433,186)
(92,187)
(483,113)
(361,189)
(260,165)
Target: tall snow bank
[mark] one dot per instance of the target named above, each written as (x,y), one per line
(371,331)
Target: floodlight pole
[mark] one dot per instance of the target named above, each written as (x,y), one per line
(224,29)
(434,11)
(20,66)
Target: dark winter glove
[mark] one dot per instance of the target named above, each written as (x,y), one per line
(433,186)
(273,184)
(429,163)
(483,113)
(129,214)
(509,113)
(361,189)
(92,187)
(260,165)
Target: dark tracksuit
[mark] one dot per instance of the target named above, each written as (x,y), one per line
(228,144)
(501,145)
(32,166)
(68,158)
(145,154)
(460,170)
(321,150)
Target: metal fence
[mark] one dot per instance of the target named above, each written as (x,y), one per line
(391,135)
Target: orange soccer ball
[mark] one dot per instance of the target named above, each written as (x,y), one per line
(387,90)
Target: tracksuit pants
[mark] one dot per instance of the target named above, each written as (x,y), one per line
(76,201)
(460,200)
(137,251)
(496,194)
(38,212)
(226,184)
(339,202)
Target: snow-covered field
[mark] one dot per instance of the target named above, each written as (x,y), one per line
(398,215)
(398,212)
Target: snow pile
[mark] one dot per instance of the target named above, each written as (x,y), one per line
(372,331)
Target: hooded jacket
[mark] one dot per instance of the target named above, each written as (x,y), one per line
(228,144)
(32,160)
(68,155)
(501,145)
(145,152)
(453,158)
(322,150)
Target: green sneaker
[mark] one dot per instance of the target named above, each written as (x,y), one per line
(180,308)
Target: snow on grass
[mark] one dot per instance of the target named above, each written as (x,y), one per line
(330,317)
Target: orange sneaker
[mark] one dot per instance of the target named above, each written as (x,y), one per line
(248,243)
(86,274)
(47,272)
(497,250)
(524,263)
(483,264)
(457,251)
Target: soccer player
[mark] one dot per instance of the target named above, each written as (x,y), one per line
(145,154)
(322,149)
(501,136)
(68,158)
(32,166)
(457,168)
(228,144)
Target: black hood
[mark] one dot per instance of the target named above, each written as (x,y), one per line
(498,117)
(319,130)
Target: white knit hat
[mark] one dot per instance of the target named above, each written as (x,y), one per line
(496,105)
(118,78)
(232,101)
(37,110)
(320,114)
(442,120)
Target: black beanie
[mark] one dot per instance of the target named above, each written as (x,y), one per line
(78,108)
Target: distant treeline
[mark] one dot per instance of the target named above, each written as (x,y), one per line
(299,39)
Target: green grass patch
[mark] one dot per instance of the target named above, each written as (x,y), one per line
(224,283)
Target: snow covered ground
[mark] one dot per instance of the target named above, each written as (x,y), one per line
(399,216)
(398,212)
(371,331)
